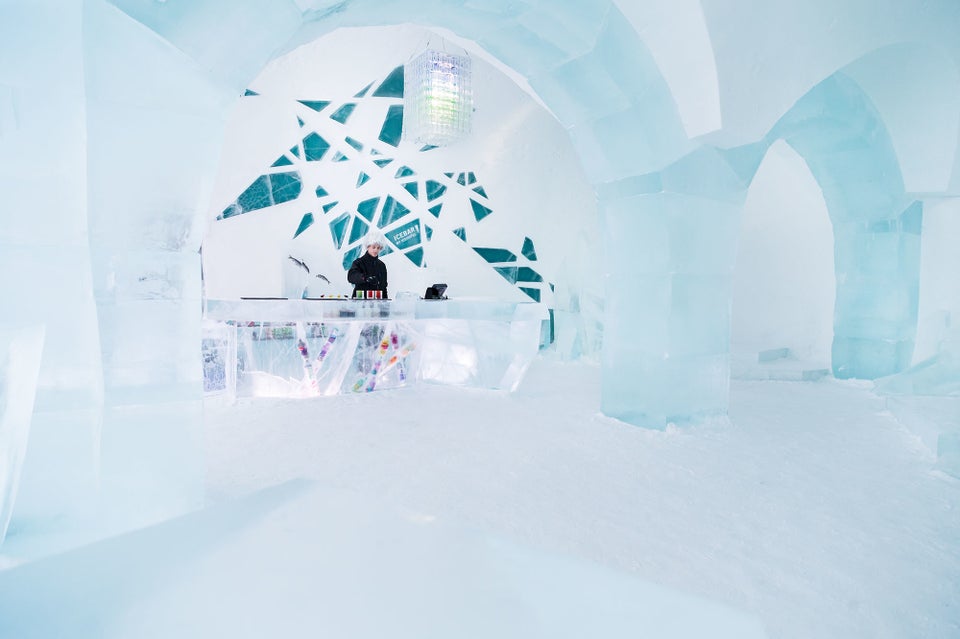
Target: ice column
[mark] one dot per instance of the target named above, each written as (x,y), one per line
(154,126)
(44,253)
(158,98)
(668,245)
(671,240)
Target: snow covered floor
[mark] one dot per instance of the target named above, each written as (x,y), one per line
(812,507)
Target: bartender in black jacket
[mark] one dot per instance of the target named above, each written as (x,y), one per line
(368,273)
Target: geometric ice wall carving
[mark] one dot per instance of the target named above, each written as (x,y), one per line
(403,211)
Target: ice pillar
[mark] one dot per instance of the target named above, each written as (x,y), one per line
(669,255)
(44,253)
(625,127)
(154,126)
(160,79)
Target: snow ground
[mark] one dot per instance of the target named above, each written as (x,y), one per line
(812,507)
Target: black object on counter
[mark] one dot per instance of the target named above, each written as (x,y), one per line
(435,292)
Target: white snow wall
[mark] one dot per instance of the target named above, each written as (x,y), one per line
(112,115)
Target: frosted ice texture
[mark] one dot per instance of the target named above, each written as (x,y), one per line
(279,359)
(20,353)
(937,375)
(601,95)
(425,578)
(307,348)
(478,353)
(245,30)
(915,88)
(948,449)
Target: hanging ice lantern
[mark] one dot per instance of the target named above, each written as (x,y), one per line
(437,98)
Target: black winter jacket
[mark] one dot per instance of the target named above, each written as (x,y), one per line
(368,273)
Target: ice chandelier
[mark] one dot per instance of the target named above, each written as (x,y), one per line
(437,98)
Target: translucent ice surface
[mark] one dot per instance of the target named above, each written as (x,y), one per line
(19,367)
(250,26)
(44,247)
(876,227)
(667,315)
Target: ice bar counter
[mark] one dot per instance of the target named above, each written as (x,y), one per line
(305,347)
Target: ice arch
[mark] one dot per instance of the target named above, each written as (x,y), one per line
(761,77)
(671,359)
(838,132)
